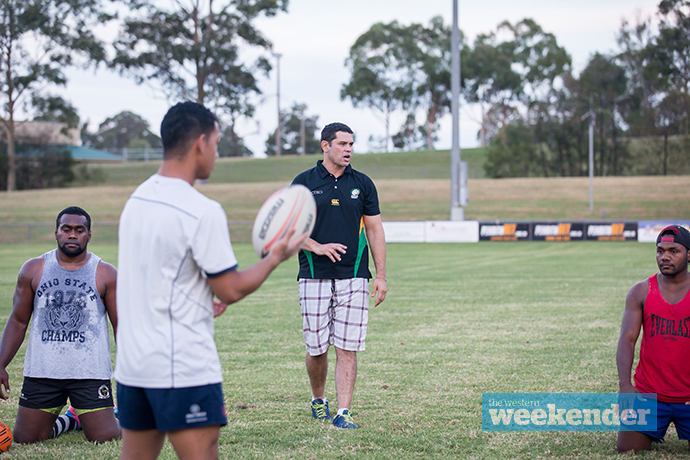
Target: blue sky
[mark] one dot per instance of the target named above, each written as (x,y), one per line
(315,36)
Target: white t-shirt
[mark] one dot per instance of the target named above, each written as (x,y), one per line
(171,238)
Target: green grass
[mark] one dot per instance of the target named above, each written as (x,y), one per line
(423,164)
(460,320)
(615,198)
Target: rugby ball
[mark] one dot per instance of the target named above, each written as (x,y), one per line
(5,437)
(288,208)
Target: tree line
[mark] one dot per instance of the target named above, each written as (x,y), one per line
(535,109)
(188,49)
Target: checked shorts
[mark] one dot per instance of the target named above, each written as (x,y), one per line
(334,312)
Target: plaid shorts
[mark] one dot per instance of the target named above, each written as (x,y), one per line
(334,312)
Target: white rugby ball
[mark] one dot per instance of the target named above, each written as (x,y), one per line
(288,208)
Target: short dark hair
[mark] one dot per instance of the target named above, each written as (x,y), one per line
(184,122)
(329,132)
(74,211)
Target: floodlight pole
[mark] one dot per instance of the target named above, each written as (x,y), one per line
(591,160)
(456,211)
(279,140)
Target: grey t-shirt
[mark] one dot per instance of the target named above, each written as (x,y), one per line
(69,336)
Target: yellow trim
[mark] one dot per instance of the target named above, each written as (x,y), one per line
(53,410)
(79,412)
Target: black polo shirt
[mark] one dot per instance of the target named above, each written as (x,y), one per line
(340,204)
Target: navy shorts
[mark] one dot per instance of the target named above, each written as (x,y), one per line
(678,413)
(169,409)
(51,394)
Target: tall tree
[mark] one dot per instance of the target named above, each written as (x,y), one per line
(492,82)
(516,71)
(644,84)
(396,67)
(291,123)
(379,78)
(427,51)
(542,64)
(119,131)
(671,52)
(38,39)
(192,49)
(603,84)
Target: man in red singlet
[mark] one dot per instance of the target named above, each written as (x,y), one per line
(660,305)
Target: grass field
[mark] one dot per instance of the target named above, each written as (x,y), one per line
(626,198)
(425,164)
(460,320)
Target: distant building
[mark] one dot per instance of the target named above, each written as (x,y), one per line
(44,133)
(50,133)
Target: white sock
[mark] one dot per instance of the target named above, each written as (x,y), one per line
(324,399)
(340,411)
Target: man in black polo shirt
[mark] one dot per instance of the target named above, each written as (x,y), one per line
(334,270)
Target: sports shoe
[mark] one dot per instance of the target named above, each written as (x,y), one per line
(71,413)
(319,409)
(344,420)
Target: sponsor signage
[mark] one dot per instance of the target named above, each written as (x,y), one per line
(648,230)
(504,231)
(450,231)
(606,231)
(558,231)
(404,232)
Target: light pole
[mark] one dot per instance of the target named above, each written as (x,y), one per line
(279,140)
(457,178)
(592,122)
(591,160)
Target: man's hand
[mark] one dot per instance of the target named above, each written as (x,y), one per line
(379,289)
(219,308)
(330,250)
(4,383)
(627,388)
(283,249)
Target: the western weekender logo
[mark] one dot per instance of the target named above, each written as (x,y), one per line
(569,412)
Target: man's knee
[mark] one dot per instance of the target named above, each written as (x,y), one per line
(22,435)
(632,440)
(103,436)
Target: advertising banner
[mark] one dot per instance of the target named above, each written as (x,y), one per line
(504,231)
(648,230)
(607,231)
(404,232)
(449,231)
(559,231)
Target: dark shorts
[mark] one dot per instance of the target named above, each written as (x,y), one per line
(51,394)
(168,409)
(678,413)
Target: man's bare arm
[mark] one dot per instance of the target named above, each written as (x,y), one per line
(106,279)
(377,242)
(234,285)
(18,322)
(630,331)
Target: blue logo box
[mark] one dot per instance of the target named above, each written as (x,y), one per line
(569,412)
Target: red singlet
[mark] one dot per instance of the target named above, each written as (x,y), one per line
(663,368)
